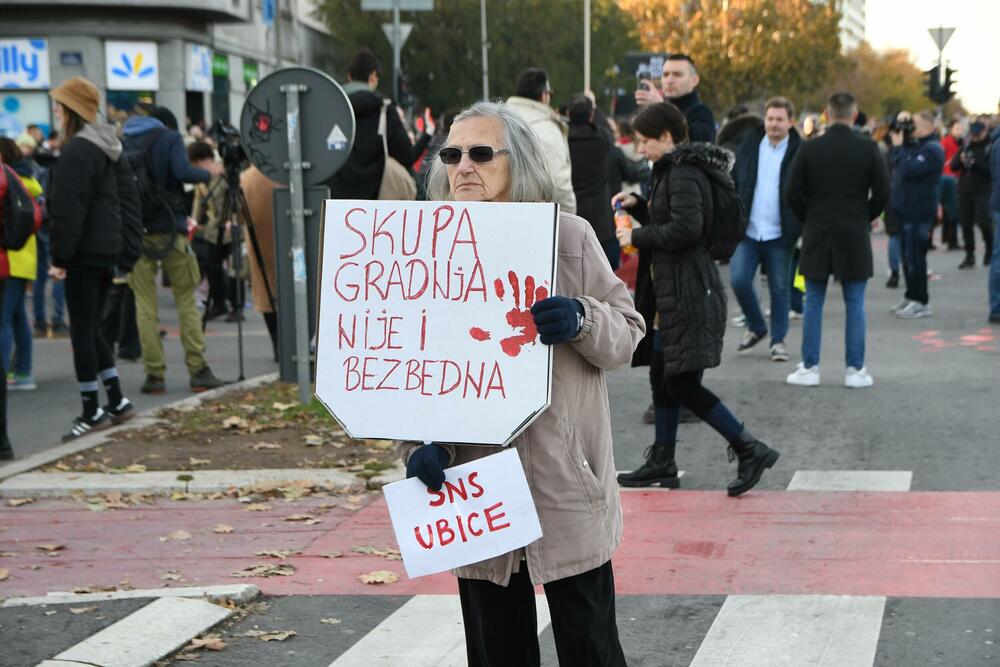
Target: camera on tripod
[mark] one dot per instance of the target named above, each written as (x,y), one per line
(227,141)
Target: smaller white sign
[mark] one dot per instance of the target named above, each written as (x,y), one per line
(483,510)
(404,32)
(24,63)
(199,68)
(337,140)
(132,65)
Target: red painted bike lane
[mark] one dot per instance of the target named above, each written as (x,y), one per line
(908,544)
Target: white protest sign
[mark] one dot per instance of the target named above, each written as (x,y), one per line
(425,327)
(483,510)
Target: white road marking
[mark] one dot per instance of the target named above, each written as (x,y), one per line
(851,480)
(143,637)
(433,632)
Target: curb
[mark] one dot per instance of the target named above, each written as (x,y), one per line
(388,477)
(166,482)
(237,593)
(141,420)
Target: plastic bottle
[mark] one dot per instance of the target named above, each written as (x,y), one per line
(624,221)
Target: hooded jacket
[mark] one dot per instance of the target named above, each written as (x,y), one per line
(361,176)
(86,211)
(916,180)
(552,132)
(677,278)
(170,166)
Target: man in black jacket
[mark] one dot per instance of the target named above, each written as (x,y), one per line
(361,176)
(838,184)
(763,161)
(972,164)
(680,83)
(590,143)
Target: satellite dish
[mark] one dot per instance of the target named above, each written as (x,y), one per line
(326,120)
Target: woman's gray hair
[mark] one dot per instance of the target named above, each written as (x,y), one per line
(530,179)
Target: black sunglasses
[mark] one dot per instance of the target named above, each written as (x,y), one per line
(478,154)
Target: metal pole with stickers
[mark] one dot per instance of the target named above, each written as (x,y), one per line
(297,128)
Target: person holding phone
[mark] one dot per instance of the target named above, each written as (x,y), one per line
(680,82)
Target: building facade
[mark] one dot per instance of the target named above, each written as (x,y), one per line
(852,23)
(198,58)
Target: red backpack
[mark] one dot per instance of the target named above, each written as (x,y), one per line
(20,215)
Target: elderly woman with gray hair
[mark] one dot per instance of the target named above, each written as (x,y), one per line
(491,155)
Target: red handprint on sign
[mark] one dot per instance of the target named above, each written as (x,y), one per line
(517,318)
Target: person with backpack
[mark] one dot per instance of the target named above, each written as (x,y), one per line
(95,228)
(22,266)
(156,153)
(838,185)
(692,218)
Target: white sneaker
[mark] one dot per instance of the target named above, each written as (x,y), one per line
(858,378)
(739,321)
(914,311)
(804,377)
(900,306)
(794,315)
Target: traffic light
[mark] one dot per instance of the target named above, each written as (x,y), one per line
(946,92)
(932,80)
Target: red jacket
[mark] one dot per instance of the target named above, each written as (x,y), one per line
(951,147)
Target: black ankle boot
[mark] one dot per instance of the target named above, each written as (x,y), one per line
(754,456)
(659,468)
(893,281)
(969,262)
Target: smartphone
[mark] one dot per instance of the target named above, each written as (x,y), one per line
(643,84)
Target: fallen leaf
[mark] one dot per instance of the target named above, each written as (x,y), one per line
(379,577)
(301,517)
(199,462)
(382,444)
(388,553)
(266,570)
(331,554)
(179,536)
(83,610)
(277,553)
(17,502)
(312,440)
(187,657)
(258,507)
(330,621)
(235,422)
(171,575)
(354,507)
(7,554)
(266,445)
(50,549)
(135,467)
(51,613)
(272,636)
(80,590)
(208,642)
(4,574)
(222,528)
(283,406)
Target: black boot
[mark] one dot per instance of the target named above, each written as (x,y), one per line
(649,416)
(754,456)
(659,468)
(893,281)
(969,262)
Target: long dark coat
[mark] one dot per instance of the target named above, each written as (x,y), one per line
(677,278)
(839,184)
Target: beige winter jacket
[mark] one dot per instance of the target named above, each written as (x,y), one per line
(566,452)
(552,132)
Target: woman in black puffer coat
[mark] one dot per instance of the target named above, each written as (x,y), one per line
(680,293)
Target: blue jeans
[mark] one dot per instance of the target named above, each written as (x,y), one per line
(14,329)
(812,324)
(994,280)
(916,236)
(895,252)
(774,255)
(58,288)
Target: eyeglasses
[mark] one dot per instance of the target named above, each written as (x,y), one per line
(478,154)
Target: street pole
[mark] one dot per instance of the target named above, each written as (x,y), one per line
(486,63)
(586,45)
(299,275)
(396,48)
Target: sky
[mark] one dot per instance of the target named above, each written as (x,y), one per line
(974,49)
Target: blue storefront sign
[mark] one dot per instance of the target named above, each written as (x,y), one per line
(24,63)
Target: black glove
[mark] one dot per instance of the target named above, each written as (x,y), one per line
(558,319)
(427,463)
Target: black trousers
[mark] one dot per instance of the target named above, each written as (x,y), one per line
(87,292)
(672,391)
(118,324)
(501,628)
(974,211)
(3,386)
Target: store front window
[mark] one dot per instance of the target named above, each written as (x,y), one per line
(220,87)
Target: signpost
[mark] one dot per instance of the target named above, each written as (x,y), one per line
(940,91)
(285,123)
(425,325)
(395,31)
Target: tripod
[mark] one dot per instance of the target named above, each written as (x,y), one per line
(234,209)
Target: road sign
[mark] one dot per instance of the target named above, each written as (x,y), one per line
(941,36)
(325,112)
(404,32)
(404,5)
